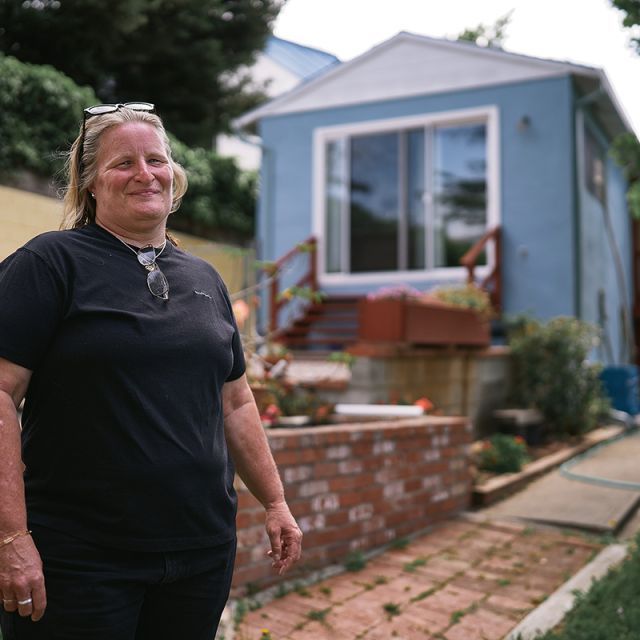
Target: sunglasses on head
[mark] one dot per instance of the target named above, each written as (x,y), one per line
(102,109)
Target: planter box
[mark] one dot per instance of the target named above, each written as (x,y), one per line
(420,323)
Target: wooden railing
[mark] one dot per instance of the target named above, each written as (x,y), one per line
(308,279)
(493,282)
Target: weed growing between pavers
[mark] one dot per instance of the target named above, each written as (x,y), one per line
(410,567)
(456,616)
(392,609)
(399,544)
(318,615)
(423,594)
(301,590)
(243,606)
(355,561)
(610,610)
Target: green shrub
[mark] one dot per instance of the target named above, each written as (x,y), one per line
(220,195)
(40,111)
(503,453)
(551,373)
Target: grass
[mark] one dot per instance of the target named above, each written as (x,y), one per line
(610,610)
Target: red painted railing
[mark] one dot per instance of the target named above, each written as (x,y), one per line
(308,279)
(493,282)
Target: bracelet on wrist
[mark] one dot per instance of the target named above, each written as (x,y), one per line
(9,539)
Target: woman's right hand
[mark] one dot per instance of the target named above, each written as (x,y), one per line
(21,578)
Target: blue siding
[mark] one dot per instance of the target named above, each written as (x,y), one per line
(537,192)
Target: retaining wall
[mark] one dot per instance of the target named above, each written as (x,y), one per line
(460,382)
(357,487)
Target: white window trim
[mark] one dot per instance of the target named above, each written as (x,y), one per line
(490,114)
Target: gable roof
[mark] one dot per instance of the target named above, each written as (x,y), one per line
(409,64)
(300,60)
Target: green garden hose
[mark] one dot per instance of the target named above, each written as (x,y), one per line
(565,469)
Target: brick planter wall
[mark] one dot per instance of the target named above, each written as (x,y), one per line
(357,487)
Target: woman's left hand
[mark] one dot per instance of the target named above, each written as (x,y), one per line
(285,537)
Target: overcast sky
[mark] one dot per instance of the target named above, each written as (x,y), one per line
(583,31)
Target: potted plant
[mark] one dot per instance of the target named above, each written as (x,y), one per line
(294,405)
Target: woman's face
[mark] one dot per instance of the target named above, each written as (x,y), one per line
(133,187)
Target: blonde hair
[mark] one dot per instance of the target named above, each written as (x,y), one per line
(81,166)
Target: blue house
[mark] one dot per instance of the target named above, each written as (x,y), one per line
(400,161)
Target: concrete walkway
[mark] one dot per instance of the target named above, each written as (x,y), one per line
(599,492)
(465,580)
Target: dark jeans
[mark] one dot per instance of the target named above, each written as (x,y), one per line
(96,593)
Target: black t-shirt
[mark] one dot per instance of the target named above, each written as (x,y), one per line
(123,436)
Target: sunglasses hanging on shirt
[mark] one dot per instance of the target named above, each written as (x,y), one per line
(156,280)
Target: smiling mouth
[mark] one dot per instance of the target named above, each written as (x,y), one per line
(147,192)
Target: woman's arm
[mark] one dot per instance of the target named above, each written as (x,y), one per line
(20,566)
(254,463)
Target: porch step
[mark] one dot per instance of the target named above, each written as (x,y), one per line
(328,326)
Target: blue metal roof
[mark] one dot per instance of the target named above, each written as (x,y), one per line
(302,61)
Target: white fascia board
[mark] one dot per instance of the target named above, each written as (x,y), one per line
(282,104)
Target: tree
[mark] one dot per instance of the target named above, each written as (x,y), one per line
(186,56)
(488,36)
(632,19)
(626,148)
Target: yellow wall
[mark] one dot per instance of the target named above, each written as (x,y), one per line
(24,215)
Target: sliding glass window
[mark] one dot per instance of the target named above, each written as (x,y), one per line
(404,200)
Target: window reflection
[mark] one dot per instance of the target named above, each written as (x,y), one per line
(374,203)
(460,215)
(412,199)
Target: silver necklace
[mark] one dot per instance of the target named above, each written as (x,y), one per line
(164,244)
(156,280)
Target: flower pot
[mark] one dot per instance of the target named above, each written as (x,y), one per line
(420,323)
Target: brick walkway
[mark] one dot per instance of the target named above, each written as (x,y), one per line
(465,580)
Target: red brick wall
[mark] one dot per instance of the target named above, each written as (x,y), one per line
(358,487)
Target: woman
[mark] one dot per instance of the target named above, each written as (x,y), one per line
(126,352)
